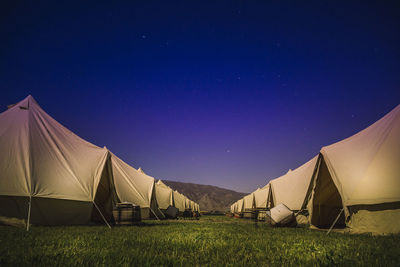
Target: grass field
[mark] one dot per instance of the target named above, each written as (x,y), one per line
(213,241)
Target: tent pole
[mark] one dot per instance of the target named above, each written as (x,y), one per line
(154,214)
(333,224)
(101,215)
(29,214)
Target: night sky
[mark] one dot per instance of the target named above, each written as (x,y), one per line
(227,93)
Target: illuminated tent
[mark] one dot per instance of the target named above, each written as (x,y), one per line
(180,201)
(240,207)
(235,207)
(291,189)
(49,175)
(360,174)
(136,187)
(187,203)
(248,202)
(165,196)
(261,197)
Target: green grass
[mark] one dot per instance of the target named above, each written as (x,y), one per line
(212,241)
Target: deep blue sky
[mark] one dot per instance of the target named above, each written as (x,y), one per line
(228,93)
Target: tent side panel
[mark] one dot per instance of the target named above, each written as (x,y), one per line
(376,219)
(47,211)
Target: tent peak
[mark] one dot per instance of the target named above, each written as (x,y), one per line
(24,103)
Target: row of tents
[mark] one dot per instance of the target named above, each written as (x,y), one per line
(354,183)
(50,176)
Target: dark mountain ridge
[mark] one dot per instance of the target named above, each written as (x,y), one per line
(209,197)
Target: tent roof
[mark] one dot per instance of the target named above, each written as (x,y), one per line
(179,200)
(131,184)
(42,158)
(248,201)
(365,167)
(164,195)
(161,183)
(291,188)
(261,197)
(240,205)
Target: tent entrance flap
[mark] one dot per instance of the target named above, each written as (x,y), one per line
(104,197)
(327,203)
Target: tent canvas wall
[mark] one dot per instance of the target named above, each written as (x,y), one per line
(248,202)
(261,197)
(47,173)
(361,175)
(291,189)
(179,200)
(240,207)
(164,195)
(234,207)
(136,187)
(187,203)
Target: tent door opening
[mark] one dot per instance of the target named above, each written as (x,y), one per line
(327,203)
(103,198)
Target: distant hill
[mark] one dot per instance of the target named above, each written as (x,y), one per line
(210,198)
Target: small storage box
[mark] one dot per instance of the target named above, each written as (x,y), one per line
(282,216)
(126,214)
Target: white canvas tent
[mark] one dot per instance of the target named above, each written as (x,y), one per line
(240,207)
(49,175)
(248,202)
(136,187)
(164,194)
(360,175)
(261,197)
(187,203)
(179,200)
(197,207)
(291,189)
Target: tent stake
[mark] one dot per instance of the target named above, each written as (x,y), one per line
(333,224)
(29,214)
(101,215)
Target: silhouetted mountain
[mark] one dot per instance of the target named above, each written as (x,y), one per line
(210,198)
